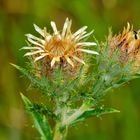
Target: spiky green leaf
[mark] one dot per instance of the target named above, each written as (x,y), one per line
(43,84)
(94,112)
(40,121)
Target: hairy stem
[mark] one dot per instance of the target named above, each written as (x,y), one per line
(59,134)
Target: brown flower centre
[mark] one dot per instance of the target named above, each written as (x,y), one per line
(57,47)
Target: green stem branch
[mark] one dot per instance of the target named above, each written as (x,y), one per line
(74,116)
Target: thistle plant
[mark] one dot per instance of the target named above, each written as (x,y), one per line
(74,75)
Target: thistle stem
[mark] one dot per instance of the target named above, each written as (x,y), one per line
(59,134)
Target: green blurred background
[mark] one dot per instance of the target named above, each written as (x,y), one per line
(17,18)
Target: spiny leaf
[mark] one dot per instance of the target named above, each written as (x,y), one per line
(40,121)
(41,109)
(42,125)
(43,84)
(95,112)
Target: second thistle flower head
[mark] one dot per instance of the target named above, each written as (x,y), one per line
(128,42)
(59,47)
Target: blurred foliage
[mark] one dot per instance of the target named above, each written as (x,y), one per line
(17,18)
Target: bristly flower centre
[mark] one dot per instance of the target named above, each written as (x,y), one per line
(59,48)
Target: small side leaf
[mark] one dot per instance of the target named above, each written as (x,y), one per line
(95,112)
(43,84)
(40,121)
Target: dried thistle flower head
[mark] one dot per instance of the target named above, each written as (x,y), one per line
(128,42)
(59,46)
